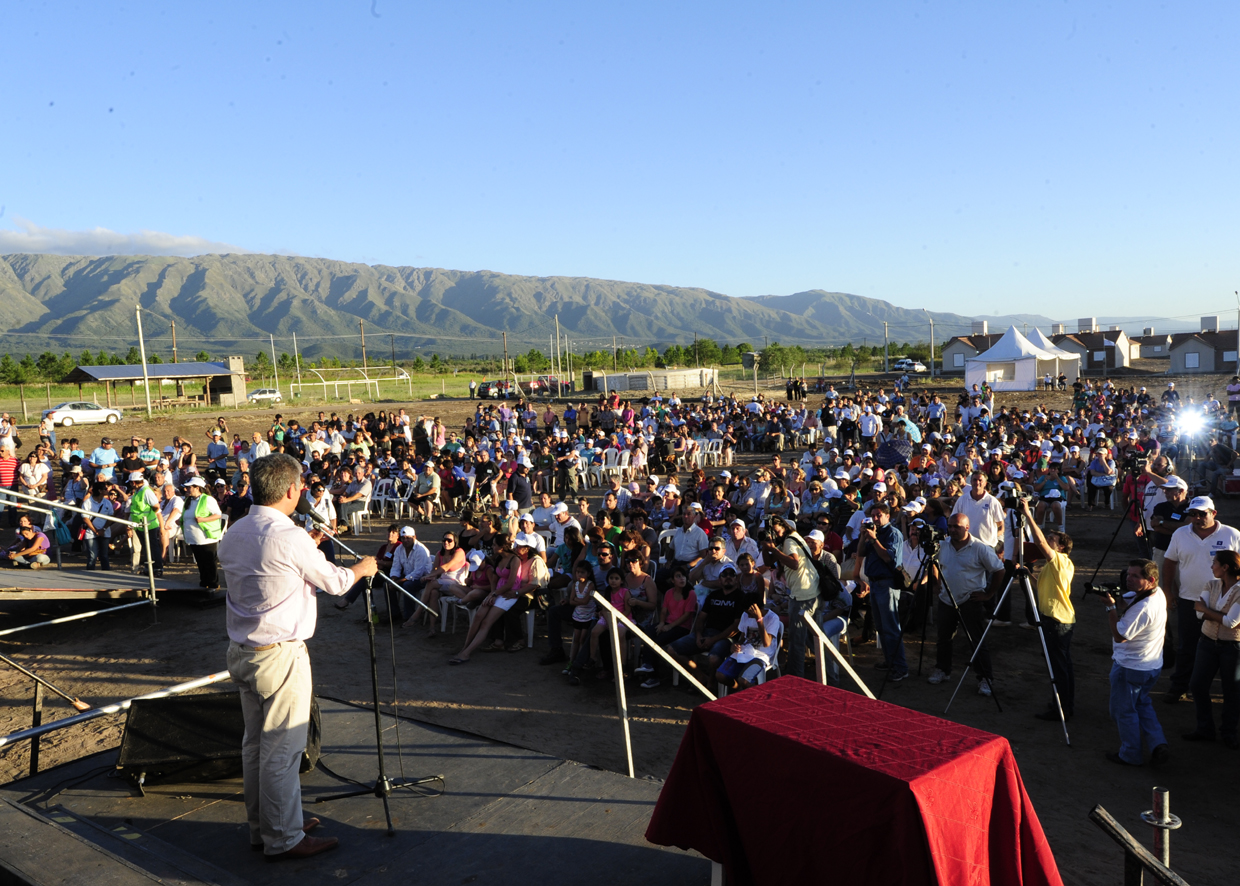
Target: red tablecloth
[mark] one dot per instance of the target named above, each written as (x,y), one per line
(793,782)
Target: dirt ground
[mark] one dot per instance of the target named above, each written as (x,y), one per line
(509,697)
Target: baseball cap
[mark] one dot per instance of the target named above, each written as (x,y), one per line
(510,505)
(197,481)
(219,481)
(1052,494)
(408,532)
(1202,503)
(560,508)
(76,469)
(475,559)
(525,539)
(1175,483)
(694,506)
(525,518)
(738,522)
(880,486)
(135,476)
(726,475)
(105,441)
(816,535)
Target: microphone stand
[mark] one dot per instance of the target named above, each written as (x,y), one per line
(383,786)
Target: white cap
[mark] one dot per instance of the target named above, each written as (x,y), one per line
(408,532)
(526,539)
(525,518)
(560,508)
(816,535)
(1202,503)
(135,476)
(726,475)
(1052,494)
(475,558)
(738,522)
(694,506)
(197,481)
(880,486)
(1175,483)
(842,474)
(510,505)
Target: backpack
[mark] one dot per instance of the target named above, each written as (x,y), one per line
(826,579)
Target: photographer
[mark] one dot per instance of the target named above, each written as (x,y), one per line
(966,566)
(1137,642)
(1055,611)
(882,546)
(784,547)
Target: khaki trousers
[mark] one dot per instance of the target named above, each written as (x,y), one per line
(276,689)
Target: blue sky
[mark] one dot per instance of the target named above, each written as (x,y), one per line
(1061,158)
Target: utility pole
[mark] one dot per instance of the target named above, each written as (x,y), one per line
(361,325)
(275,371)
(615,367)
(505,372)
(931,319)
(696,359)
(393,337)
(174,341)
(886,367)
(559,360)
(146,378)
(297,363)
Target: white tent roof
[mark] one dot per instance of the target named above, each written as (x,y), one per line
(1014,346)
(1046,344)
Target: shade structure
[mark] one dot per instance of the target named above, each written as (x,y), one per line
(1015,363)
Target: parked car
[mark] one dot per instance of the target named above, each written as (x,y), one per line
(266,395)
(908,364)
(494,390)
(82,413)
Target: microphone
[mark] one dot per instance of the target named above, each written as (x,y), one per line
(304,509)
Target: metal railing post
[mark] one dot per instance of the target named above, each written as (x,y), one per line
(1138,860)
(617,671)
(36,719)
(150,568)
(1163,822)
(823,641)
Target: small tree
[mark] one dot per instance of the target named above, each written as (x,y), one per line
(86,358)
(202,357)
(418,364)
(133,357)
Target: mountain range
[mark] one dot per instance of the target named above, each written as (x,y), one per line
(233,303)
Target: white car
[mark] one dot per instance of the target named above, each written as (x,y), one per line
(69,414)
(908,365)
(268,395)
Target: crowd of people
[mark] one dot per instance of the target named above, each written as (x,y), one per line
(723,526)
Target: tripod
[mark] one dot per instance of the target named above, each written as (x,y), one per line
(1145,544)
(383,786)
(1021,575)
(933,560)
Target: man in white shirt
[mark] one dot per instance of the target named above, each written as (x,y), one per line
(411,563)
(561,519)
(985,512)
(259,447)
(737,541)
(1137,642)
(689,543)
(273,568)
(705,575)
(1185,573)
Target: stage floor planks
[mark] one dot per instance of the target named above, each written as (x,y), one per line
(507,815)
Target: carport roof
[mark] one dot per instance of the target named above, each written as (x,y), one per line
(156,371)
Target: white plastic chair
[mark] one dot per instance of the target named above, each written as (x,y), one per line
(712,453)
(610,465)
(385,494)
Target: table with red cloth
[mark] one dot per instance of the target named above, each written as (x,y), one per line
(793,782)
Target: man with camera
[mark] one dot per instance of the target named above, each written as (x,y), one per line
(966,567)
(1138,622)
(1185,573)
(882,546)
(273,568)
(783,546)
(1055,611)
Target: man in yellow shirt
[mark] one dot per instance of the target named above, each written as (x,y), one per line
(1055,610)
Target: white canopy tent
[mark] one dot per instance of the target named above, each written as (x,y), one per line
(1017,364)
(1039,339)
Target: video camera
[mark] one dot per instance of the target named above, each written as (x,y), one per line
(929,538)
(1104,590)
(1012,500)
(1134,463)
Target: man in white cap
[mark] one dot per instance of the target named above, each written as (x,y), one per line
(411,564)
(526,528)
(202,526)
(217,454)
(561,519)
(1186,570)
(737,541)
(144,509)
(985,512)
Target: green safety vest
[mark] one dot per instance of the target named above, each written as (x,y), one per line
(212,530)
(141,511)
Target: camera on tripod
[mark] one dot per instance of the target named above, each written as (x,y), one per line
(929,538)
(1012,500)
(1134,463)
(1103,590)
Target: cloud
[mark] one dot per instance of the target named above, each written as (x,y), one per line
(100,241)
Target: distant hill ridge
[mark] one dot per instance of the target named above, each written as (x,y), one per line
(231,301)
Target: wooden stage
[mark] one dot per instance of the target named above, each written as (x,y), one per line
(79,584)
(505,815)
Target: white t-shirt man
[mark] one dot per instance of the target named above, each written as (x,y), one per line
(984,516)
(1143,627)
(1193,556)
(751,637)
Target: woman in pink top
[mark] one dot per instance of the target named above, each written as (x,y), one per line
(675,619)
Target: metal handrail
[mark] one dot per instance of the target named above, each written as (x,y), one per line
(1137,859)
(825,644)
(34,732)
(615,615)
(92,516)
(65,618)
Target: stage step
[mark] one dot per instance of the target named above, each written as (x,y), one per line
(63,849)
